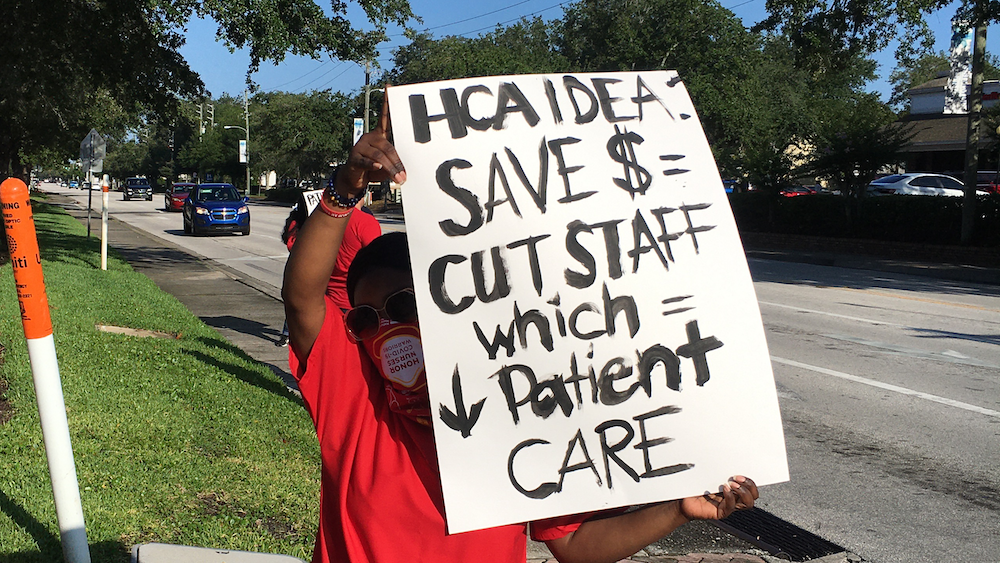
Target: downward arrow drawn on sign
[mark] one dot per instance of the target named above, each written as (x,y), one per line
(462,422)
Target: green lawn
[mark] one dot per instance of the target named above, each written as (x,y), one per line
(186,441)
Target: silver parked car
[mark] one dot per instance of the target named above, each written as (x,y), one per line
(918,183)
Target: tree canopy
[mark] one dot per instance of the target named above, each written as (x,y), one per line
(764,98)
(299,135)
(526,46)
(66,59)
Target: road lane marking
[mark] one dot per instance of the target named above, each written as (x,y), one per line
(922,299)
(888,387)
(952,357)
(846,317)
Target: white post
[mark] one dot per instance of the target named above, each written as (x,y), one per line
(58,449)
(26,260)
(105,185)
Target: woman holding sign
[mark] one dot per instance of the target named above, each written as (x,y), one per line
(361,377)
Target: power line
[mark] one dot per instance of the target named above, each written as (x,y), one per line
(477,17)
(489,14)
(334,78)
(335,67)
(535,13)
(299,78)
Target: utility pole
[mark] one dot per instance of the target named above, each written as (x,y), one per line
(972,132)
(201,121)
(246,116)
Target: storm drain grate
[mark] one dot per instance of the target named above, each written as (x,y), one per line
(776,536)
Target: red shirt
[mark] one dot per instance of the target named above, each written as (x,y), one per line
(362,228)
(380,496)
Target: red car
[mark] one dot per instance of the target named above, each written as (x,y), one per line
(175,195)
(988,181)
(795,191)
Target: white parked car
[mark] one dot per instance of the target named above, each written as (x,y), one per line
(918,183)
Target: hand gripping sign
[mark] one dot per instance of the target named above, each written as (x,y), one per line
(19,227)
(591,333)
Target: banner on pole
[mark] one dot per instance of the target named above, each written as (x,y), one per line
(591,334)
(359,129)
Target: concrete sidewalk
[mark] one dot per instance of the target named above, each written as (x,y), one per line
(250,314)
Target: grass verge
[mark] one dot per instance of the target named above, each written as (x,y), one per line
(185,441)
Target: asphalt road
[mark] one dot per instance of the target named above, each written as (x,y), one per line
(890,395)
(262,255)
(889,388)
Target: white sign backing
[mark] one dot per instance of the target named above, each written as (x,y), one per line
(591,334)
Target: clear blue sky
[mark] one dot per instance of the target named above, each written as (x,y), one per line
(225,72)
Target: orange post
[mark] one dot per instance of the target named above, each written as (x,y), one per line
(19,225)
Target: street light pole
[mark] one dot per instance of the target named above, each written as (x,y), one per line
(246,116)
(241,128)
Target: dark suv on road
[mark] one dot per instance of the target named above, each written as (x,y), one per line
(137,187)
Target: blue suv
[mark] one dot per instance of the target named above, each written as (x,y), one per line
(215,208)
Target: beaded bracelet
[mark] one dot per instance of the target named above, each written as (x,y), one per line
(336,214)
(341,201)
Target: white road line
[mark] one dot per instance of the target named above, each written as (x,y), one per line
(847,317)
(888,387)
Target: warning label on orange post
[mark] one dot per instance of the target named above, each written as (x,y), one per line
(19,227)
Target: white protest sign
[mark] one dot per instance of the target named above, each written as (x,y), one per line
(590,331)
(312,199)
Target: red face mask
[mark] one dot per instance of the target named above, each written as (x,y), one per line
(399,358)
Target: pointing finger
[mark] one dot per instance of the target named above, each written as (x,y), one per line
(383,122)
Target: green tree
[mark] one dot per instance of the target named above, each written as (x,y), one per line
(750,97)
(54,73)
(125,158)
(852,150)
(299,135)
(870,25)
(216,150)
(527,46)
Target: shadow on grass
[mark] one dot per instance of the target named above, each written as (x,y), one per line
(49,546)
(244,374)
(57,245)
(245,326)
(102,552)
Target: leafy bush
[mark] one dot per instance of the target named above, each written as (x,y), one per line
(283,195)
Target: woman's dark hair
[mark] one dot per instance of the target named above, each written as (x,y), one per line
(388,251)
(296,217)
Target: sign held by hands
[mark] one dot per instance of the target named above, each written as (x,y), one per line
(591,334)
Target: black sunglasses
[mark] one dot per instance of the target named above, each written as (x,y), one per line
(363,321)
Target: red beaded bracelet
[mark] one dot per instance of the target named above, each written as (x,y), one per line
(325,208)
